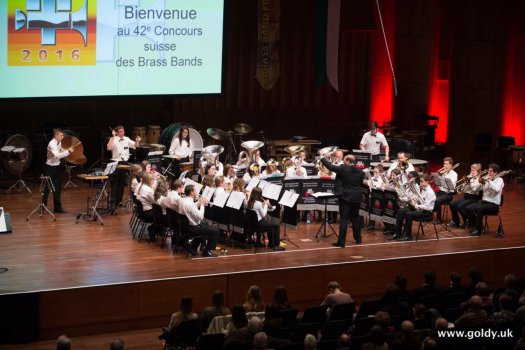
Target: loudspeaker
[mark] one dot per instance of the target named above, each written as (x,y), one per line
(5,221)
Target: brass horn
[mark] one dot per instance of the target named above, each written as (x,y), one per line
(293,150)
(248,156)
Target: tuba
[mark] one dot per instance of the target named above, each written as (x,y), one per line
(322,152)
(211,154)
(248,156)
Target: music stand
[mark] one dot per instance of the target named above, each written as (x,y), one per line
(446,183)
(41,209)
(289,218)
(322,229)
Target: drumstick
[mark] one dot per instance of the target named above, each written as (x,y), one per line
(79,142)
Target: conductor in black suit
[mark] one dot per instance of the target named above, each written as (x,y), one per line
(348,182)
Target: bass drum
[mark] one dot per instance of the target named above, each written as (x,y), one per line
(173,131)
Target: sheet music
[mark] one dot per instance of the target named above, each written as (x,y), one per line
(322,194)
(208,193)
(198,186)
(3,227)
(183,175)
(220,199)
(262,184)
(272,191)
(438,180)
(110,168)
(251,185)
(448,184)
(289,199)
(235,200)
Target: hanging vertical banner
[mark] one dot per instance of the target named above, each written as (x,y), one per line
(332,43)
(268,43)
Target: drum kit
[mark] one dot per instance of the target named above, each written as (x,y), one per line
(233,138)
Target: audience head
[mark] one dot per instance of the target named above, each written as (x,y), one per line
(260,340)
(217,299)
(482,289)
(401,280)
(455,279)
(391,294)
(376,335)
(63,343)
(419,311)
(255,324)
(280,297)
(343,343)
(440,324)
(334,287)
(310,342)
(510,281)
(116,344)
(475,274)
(186,305)
(239,319)
(428,344)
(254,300)
(382,319)
(407,326)
(475,303)
(506,302)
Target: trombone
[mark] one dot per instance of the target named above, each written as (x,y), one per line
(443,171)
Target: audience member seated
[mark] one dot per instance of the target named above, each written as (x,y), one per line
(260,341)
(280,298)
(401,282)
(510,282)
(429,288)
(392,305)
(382,319)
(475,316)
(63,343)
(505,314)
(310,342)
(475,275)
(185,313)
(377,339)
(482,290)
(429,344)
(242,338)
(455,285)
(217,308)
(420,317)
(407,339)
(343,343)
(116,344)
(520,345)
(335,296)
(272,322)
(238,320)
(254,301)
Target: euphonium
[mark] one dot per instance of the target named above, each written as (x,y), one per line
(413,192)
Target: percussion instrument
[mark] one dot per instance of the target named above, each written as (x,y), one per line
(20,154)
(141,132)
(242,128)
(170,157)
(217,134)
(155,147)
(187,166)
(7,154)
(141,152)
(77,157)
(153,134)
(173,131)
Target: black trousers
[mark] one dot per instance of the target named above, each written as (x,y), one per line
(53,171)
(400,217)
(457,207)
(476,212)
(274,232)
(417,215)
(441,198)
(205,230)
(119,181)
(349,211)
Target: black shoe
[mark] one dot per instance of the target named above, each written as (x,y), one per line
(60,210)
(396,237)
(259,245)
(454,224)
(278,248)
(337,244)
(406,238)
(358,242)
(476,232)
(208,254)
(437,222)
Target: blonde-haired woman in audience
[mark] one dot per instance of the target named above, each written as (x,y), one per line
(254,301)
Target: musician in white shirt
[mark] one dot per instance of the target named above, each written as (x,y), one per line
(373,140)
(172,199)
(492,187)
(52,168)
(260,206)
(471,196)
(258,158)
(194,211)
(119,146)
(417,209)
(296,171)
(182,146)
(444,195)
(402,163)
(145,194)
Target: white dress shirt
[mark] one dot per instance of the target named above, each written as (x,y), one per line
(492,190)
(403,174)
(54,154)
(373,143)
(429,197)
(181,150)
(120,149)
(145,196)
(260,209)
(291,172)
(172,200)
(218,190)
(192,211)
(276,172)
(474,186)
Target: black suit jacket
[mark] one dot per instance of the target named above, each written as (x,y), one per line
(347,182)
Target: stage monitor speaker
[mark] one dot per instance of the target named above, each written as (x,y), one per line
(5,221)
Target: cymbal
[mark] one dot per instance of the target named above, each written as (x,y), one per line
(217,134)
(242,128)
(387,127)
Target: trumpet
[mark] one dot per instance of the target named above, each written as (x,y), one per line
(443,171)
(500,174)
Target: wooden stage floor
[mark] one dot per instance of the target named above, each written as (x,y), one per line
(84,271)
(45,255)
